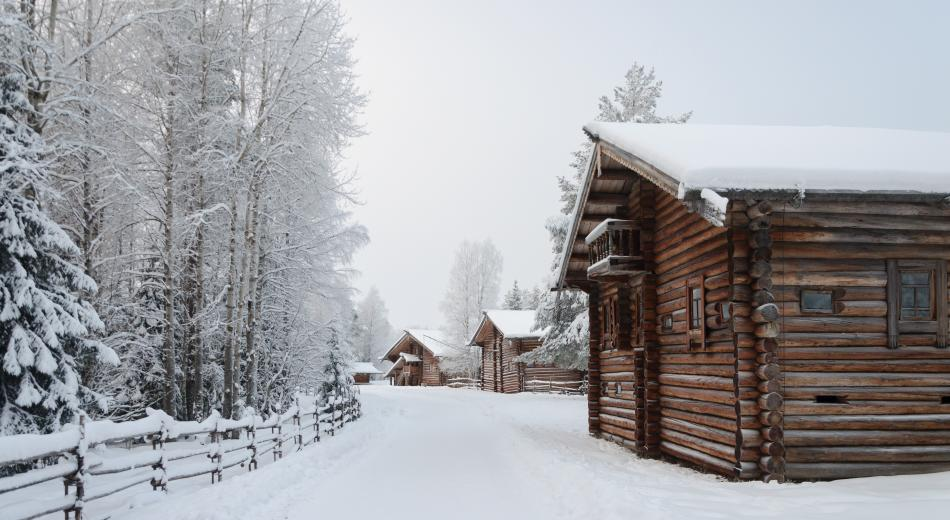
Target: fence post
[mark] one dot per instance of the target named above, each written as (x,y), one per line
(78,478)
(298,436)
(158,442)
(332,402)
(316,419)
(252,443)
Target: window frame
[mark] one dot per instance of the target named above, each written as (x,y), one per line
(937,324)
(817,311)
(696,336)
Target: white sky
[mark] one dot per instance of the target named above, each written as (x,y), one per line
(476,105)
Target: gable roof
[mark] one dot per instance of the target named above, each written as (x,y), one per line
(432,340)
(703,164)
(362,367)
(511,324)
(821,158)
(395,367)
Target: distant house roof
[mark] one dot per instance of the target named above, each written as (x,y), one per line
(432,340)
(511,324)
(362,367)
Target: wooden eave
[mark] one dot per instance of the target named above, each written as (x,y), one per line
(611,174)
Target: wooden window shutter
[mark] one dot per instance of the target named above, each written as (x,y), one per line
(893,303)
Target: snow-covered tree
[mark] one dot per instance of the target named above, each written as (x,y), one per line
(514,298)
(336,377)
(474,284)
(372,331)
(565,312)
(45,323)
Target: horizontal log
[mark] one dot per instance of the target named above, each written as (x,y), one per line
(869,422)
(863,379)
(817,438)
(869,454)
(832,470)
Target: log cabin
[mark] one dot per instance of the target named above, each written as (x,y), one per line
(416,356)
(767,302)
(503,336)
(363,372)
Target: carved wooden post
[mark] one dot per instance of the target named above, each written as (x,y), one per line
(765,316)
(593,363)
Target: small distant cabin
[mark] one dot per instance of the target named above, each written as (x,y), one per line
(503,335)
(768,302)
(364,372)
(415,357)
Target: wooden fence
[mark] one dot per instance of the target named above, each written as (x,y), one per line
(65,455)
(553,386)
(463,382)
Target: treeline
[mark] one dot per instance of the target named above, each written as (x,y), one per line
(188,152)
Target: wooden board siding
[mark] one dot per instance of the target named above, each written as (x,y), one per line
(893,414)
(698,421)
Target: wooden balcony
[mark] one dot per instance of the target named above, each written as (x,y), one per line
(614,249)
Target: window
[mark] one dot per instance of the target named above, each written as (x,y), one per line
(666,323)
(917,302)
(817,301)
(916,291)
(695,313)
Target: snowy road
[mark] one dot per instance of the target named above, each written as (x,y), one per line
(462,454)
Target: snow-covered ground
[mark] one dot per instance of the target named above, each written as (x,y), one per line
(421,453)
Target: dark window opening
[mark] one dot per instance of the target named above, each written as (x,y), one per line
(695,308)
(830,399)
(916,300)
(945,399)
(667,323)
(814,300)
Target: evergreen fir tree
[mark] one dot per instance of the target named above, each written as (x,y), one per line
(44,322)
(514,298)
(336,366)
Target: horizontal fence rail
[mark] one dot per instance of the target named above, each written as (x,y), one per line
(553,386)
(227,443)
(463,382)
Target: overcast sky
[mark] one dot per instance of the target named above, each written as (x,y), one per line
(476,105)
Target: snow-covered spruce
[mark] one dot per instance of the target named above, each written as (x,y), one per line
(45,323)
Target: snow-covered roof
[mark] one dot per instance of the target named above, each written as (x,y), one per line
(432,340)
(833,159)
(512,324)
(395,368)
(409,358)
(362,367)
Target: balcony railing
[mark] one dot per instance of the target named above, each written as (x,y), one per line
(614,249)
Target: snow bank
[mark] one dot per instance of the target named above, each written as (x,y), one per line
(837,159)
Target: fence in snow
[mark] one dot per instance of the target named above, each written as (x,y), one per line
(463,382)
(553,386)
(230,443)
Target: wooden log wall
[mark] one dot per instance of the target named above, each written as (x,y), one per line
(852,405)
(698,418)
(618,363)
(566,377)
(490,347)
(765,319)
(508,367)
(431,374)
